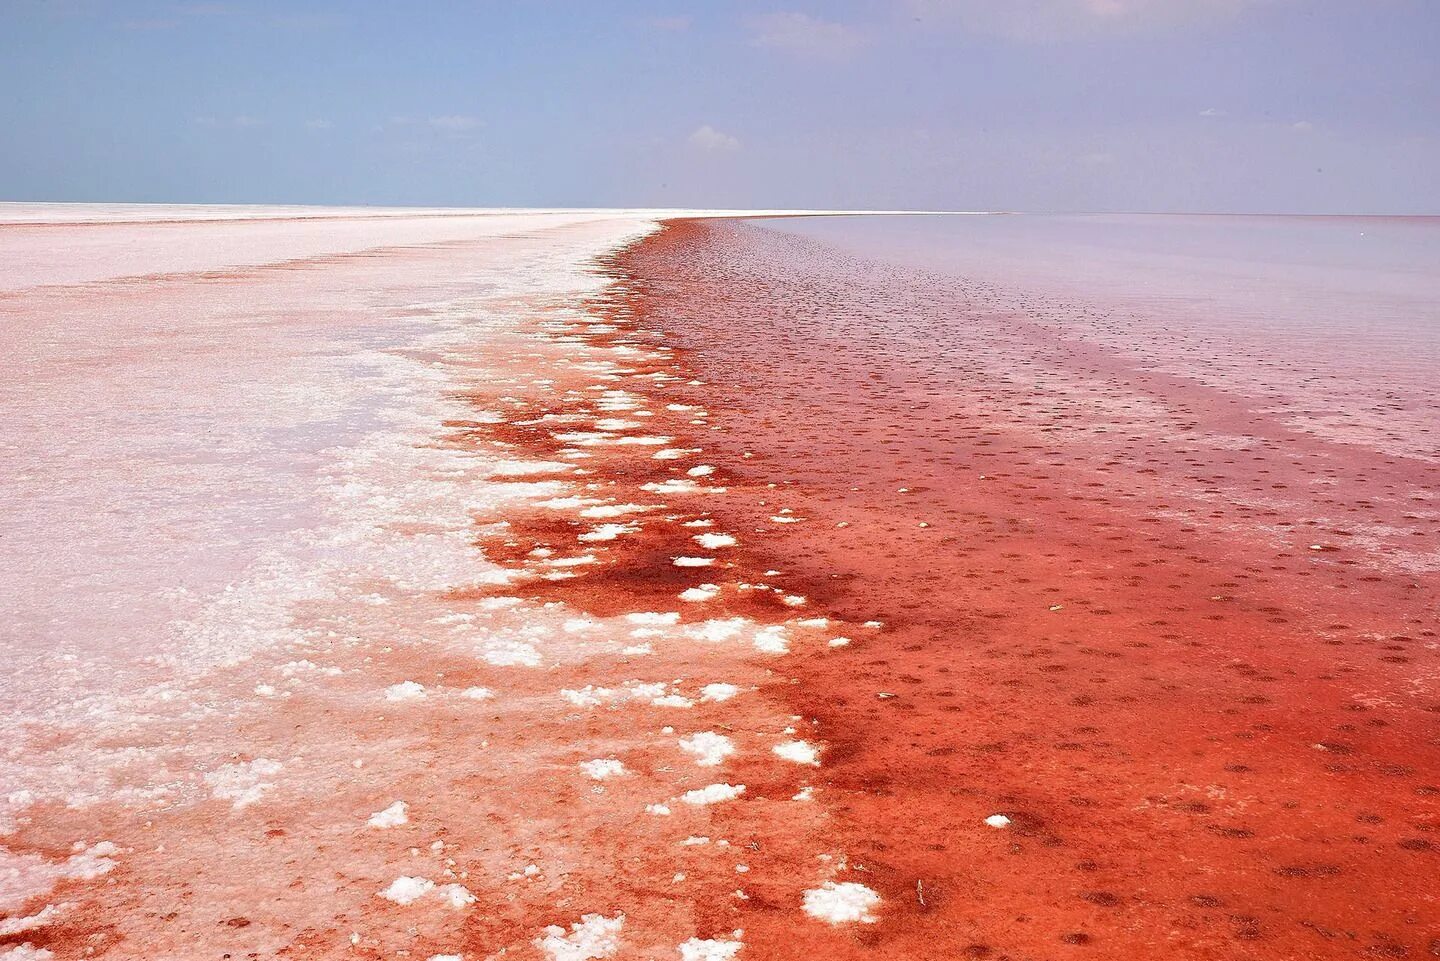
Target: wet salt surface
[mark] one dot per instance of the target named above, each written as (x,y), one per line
(1332,323)
(1157,671)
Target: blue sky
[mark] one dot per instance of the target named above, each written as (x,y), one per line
(1206,105)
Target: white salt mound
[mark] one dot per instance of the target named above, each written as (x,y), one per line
(405,691)
(718,692)
(800,752)
(713,794)
(602,768)
(697,949)
(391,817)
(593,936)
(708,747)
(455,895)
(841,903)
(407,890)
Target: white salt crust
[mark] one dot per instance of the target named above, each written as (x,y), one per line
(713,794)
(406,889)
(603,768)
(593,936)
(798,751)
(708,747)
(718,691)
(391,817)
(405,691)
(243,783)
(698,949)
(841,902)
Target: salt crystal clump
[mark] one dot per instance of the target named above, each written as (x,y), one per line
(593,936)
(27,952)
(719,691)
(715,631)
(516,468)
(772,640)
(511,654)
(608,532)
(800,752)
(697,949)
(588,696)
(407,890)
(713,794)
(712,541)
(242,783)
(693,561)
(391,817)
(998,821)
(9,927)
(602,768)
(456,895)
(405,691)
(841,903)
(708,747)
(704,592)
(665,619)
(611,510)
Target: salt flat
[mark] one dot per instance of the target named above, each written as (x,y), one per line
(287,494)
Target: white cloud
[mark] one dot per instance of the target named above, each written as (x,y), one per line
(1040,20)
(1302,125)
(710,140)
(454,123)
(241,122)
(805,35)
(669,24)
(1212,112)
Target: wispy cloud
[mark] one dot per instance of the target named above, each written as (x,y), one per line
(450,123)
(710,140)
(1050,20)
(673,24)
(1212,112)
(454,123)
(205,9)
(319,124)
(804,35)
(239,122)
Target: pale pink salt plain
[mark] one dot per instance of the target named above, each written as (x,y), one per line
(167,423)
(256,593)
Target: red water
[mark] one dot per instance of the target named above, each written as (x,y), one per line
(1186,646)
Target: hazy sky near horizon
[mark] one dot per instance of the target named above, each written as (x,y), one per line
(1206,105)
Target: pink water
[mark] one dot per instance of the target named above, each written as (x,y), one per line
(1334,320)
